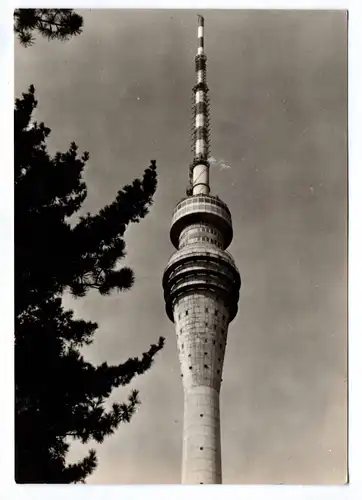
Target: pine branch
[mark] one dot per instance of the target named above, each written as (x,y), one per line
(52,24)
(58,394)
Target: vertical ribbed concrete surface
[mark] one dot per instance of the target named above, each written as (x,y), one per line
(201,321)
(201,455)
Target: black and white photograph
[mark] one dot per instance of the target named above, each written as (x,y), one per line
(181,246)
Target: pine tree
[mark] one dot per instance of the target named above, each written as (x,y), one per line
(58,394)
(53,24)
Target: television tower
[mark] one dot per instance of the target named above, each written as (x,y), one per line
(201,288)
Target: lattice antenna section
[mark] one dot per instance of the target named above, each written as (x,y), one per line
(200,129)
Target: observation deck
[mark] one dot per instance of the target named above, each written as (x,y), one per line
(198,209)
(201,267)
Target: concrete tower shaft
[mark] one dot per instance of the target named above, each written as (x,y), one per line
(201,289)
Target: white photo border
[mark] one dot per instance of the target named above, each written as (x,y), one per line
(8,488)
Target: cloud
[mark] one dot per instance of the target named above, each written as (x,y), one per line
(218,163)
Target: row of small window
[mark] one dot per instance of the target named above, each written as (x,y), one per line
(192,280)
(198,200)
(196,235)
(218,210)
(195,240)
(204,265)
(212,325)
(200,275)
(190,241)
(211,231)
(205,366)
(205,354)
(218,372)
(208,260)
(206,340)
(201,228)
(211,240)
(216,313)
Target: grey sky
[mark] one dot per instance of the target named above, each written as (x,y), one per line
(278,89)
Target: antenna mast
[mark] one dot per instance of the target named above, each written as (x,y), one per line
(199,168)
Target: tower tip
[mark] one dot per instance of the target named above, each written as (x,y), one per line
(200,164)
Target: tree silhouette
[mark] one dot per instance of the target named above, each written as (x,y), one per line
(59,24)
(58,394)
